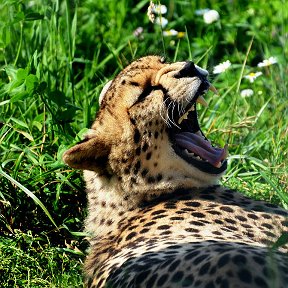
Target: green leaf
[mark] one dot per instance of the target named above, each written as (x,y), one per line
(21,74)
(19,122)
(31,82)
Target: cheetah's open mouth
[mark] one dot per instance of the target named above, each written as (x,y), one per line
(189,142)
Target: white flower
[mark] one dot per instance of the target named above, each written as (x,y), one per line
(171,32)
(200,12)
(221,67)
(252,76)
(246,93)
(211,16)
(159,9)
(267,62)
(161,21)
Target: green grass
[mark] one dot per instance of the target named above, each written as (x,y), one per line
(55,57)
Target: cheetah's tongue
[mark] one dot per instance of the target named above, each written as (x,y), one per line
(200,146)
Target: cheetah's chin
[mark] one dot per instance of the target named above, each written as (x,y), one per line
(190,143)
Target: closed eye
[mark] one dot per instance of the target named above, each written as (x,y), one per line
(146,92)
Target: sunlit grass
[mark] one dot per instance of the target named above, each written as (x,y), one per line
(56,56)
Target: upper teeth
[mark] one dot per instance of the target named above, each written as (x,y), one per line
(199,100)
(202,101)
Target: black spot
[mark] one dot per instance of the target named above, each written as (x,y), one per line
(174,265)
(231,221)
(218,221)
(197,223)
(204,269)
(198,215)
(192,204)
(162,280)
(134,83)
(266,225)
(148,156)
(177,277)
(138,151)
(191,255)
(199,259)
(227,209)
(145,147)
(150,223)
(245,276)
(166,233)
(188,281)
(241,218)
(136,136)
(163,227)
(239,260)
(158,212)
(213,212)
(223,260)
(109,222)
(159,177)
(253,216)
(144,172)
(151,179)
(192,230)
(151,281)
(177,218)
(145,230)
(156,134)
(141,277)
(137,167)
(210,285)
(131,235)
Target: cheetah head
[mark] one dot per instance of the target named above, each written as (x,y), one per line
(146,136)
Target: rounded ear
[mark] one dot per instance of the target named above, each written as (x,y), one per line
(104,90)
(89,154)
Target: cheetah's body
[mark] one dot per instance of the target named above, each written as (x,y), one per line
(156,216)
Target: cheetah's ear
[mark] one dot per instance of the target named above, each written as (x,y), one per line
(89,154)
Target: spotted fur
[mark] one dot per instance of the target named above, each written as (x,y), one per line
(156,220)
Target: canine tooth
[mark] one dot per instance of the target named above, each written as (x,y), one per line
(202,101)
(213,89)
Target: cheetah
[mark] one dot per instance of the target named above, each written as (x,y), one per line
(157,216)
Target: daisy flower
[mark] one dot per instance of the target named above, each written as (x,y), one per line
(159,9)
(267,62)
(211,16)
(161,21)
(221,67)
(252,76)
(170,32)
(246,93)
(173,32)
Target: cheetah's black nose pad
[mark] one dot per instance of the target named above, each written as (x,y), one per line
(189,70)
